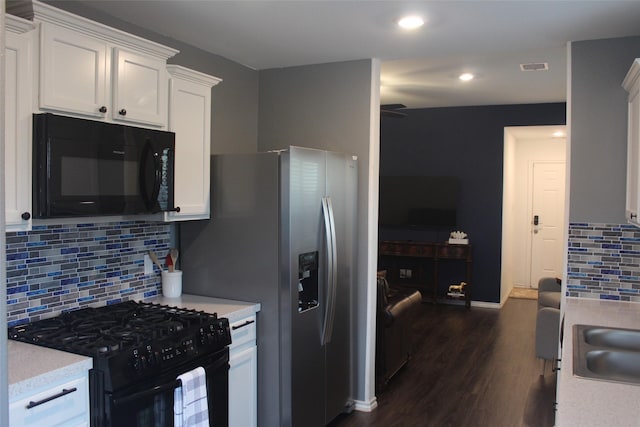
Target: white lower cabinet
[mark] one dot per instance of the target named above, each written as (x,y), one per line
(243,374)
(63,405)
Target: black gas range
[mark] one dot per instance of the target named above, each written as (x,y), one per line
(138,350)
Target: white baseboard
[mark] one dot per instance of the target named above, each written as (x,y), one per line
(363,406)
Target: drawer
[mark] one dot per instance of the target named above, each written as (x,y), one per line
(243,331)
(63,405)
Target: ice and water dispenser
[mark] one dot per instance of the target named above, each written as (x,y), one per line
(307,281)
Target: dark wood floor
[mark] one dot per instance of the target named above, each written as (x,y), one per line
(472,367)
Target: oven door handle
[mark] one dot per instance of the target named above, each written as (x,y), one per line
(142,394)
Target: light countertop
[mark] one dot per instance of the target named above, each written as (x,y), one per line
(233,310)
(32,367)
(587,402)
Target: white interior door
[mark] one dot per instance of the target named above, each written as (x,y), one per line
(546,220)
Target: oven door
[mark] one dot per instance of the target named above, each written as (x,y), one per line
(150,403)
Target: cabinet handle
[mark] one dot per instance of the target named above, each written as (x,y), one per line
(64,392)
(247,323)
(634,215)
(26,216)
(122,112)
(103,109)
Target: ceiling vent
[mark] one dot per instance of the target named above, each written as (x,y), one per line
(535,66)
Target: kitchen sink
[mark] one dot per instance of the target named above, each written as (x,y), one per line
(617,365)
(608,354)
(622,339)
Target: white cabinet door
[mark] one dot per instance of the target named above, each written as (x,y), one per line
(190,119)
(243,373)
(64,405)
(243,392)
(139,88)
(632,85)
(89,76)
(73,72)
(17,131)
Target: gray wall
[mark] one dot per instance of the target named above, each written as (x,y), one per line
(598,122)
(234,108)
(326,106)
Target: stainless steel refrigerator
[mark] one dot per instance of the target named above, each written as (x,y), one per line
(282,233)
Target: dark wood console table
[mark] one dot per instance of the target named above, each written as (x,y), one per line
(407,262)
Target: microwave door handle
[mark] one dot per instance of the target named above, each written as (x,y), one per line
(157,176)
(172,385)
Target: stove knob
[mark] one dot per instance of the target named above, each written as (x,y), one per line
(136,364)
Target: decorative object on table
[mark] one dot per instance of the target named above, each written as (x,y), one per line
(457,291)
(458,238)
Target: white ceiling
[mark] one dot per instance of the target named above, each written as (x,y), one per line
(419,68)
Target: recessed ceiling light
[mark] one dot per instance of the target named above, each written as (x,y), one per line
(411,22)
(465,77)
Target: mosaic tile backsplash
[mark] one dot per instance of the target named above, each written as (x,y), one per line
(55,268)
(604,261)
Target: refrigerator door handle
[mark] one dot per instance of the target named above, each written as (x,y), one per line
(332,270)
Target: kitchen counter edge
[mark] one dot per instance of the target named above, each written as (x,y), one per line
(231,309)
(32,368)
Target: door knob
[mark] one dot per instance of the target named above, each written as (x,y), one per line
(122,112)
(26,216)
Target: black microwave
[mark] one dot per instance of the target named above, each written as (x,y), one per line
(90,168)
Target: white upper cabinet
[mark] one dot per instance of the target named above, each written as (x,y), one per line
(631,84)
(89,69)
(74,73)
(17,129)
(139,88)
(190,119)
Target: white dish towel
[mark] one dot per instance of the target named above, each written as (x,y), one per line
(190,400)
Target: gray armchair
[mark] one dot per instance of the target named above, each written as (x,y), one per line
(548,319)
(549,292)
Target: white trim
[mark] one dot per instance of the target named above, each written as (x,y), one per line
(41,12)
(192,75)
(4,378)
(18,25)
(372,237)
(484,304)
(365,406)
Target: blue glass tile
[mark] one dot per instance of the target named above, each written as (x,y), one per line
(38,308)
(17,256)
(36,244)
(87,298)
(17,289)
(70,281)
(610,297)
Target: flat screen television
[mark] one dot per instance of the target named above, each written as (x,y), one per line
(427,202)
